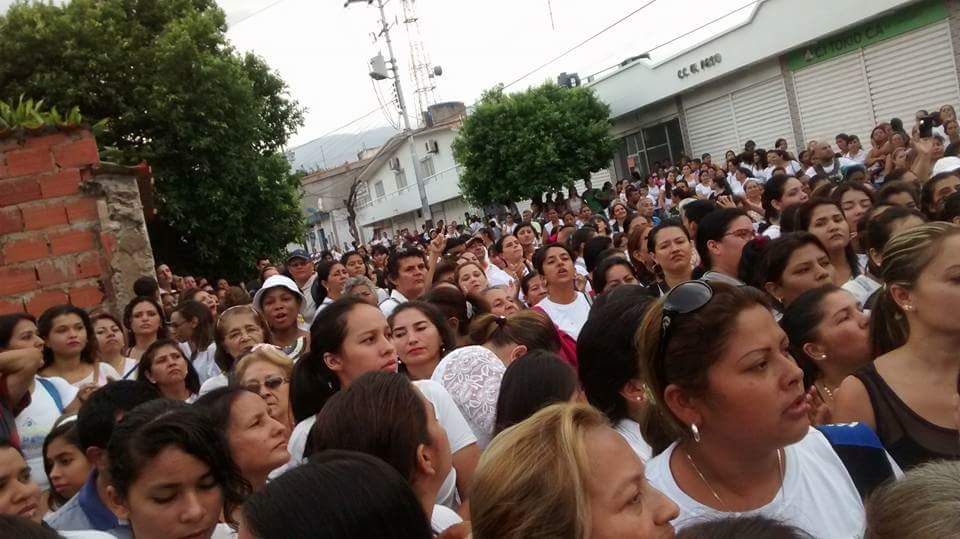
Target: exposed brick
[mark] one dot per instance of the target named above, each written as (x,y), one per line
(87,266)
(29,161)
(63,183)
(17,281)
(18,191)
(41,301)
(23,250)
(11,305)
(46,141)
(77,153)
(82,210)
(86,296)
(72,241)
(10,221)
(40,217)
(55,272)
(109,242)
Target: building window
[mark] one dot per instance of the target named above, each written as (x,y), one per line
(641,151)
(426,167)
(401,177)
(378,188)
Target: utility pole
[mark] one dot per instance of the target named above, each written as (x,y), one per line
(401,104)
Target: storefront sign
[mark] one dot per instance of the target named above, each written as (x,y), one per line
(875,31)
(695,68)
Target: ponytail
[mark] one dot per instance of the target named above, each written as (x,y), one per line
(530,328)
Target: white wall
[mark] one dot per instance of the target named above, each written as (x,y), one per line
(777,26)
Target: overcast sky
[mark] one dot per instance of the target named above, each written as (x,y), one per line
(321,49)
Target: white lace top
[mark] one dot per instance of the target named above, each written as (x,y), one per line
(472,376)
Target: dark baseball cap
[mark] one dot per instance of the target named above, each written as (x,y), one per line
(299,253)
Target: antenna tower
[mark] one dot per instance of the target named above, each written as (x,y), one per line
(422,72)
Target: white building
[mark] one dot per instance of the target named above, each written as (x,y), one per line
(795,70)
(387,197)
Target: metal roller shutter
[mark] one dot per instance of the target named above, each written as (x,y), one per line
(833,97)
(761,113)
(911,72)
(711,127)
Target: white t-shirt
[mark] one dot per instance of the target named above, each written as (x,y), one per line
(37,419)
(388,305)
(772,232)
(215,382)
(204,363)
(443,517)
(704,190)
(570,317)
(496,276)
(129,368)
(862,287)
(105,374)
(309,307)
(817,496)
(630,430)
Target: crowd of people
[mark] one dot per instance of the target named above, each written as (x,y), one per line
(757,348)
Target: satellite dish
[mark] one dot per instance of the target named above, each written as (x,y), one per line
(437,71)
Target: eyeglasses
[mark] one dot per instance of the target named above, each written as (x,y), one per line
(743,234)
(271,382)
(685,298)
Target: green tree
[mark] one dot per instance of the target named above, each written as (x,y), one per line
(518,146)
(210,121)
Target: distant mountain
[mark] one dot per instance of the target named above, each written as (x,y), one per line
(334,150)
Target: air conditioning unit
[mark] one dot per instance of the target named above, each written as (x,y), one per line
(432,146)
(395,164)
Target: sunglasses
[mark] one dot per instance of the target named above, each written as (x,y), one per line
(685,298)
(271,382)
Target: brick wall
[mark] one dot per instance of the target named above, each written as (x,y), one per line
(57,236)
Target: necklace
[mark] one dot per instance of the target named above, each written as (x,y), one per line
(826,389)
(713,491)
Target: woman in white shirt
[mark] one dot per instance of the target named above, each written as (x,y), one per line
(193,327)
(564,304)
(730,417)
(143,319)
(110,344)
(472,374)
(400,426)
(607,362)
(70,349)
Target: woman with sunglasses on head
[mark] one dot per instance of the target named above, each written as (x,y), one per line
(171,473)
(256,442)
(729,416)
(193,328)
(266,371)
(907,393)
(111,343)
(143,320)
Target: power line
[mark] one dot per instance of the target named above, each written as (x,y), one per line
(687,33)
(376,91)
(582,43)
(255,13)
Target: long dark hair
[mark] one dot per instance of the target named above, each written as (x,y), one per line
(448,342)
(530,328)
(600,272)
(393,416)
(45,326)
(202,336)
(534,381)
(8,323)
(804,218)
(767,259)
(607,351)
(128,318)
(65,429)
(152,427)
(800,322)
(453,303)
(146,363)
(773,190)
(313,383)
(337,494)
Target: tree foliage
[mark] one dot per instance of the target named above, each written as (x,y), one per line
(211,122)
(518,146)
